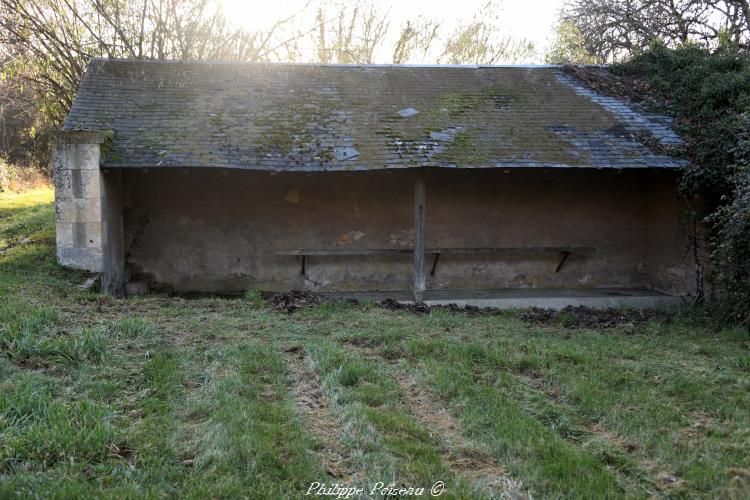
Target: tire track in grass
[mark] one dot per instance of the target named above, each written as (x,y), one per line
(388,442)
(465,457)
(477,383)
(642,402)
(244,438)
(214,422)
(306,391)
(552,405)
(640,466)
(553,466)
(153,409)
(556,396)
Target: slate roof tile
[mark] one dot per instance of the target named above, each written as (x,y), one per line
(335,117)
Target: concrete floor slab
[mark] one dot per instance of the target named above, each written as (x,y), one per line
(596,298)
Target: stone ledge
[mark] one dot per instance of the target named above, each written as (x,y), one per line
(86,259)
(559,303)
(549,298)
(79,137)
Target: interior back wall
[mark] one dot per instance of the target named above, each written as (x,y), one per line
(220,230)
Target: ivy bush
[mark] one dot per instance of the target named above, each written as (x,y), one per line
(708,93)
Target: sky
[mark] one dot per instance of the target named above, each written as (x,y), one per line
(530,19)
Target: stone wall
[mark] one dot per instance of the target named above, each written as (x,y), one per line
(88,209)
(78,199)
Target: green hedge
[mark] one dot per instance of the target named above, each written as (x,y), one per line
(709,95)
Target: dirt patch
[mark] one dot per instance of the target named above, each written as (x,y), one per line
(669,482)
(423,309)
(614,438)
(536,380)
(291,301)
(585,317)
(294,300)
(14,245)
(569,317)
(394,305)
(311,403)
(701,424)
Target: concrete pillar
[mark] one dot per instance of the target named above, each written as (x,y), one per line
(88,208)
(113,247)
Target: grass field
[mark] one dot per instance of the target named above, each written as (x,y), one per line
(223,398)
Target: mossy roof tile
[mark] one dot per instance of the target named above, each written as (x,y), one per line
(327,117)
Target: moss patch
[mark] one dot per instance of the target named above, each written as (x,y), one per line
(107,149)
(303,127)
(465,149)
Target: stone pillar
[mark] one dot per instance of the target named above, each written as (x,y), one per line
(88,208)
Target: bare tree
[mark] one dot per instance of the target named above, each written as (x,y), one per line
(415,40)
(614,29)
(480,42)
(353,32)
(348,32)
(47,43)
(20,121)
(568,46)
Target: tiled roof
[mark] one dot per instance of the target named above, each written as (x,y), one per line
(330,117)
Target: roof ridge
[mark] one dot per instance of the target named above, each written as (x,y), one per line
(318,65)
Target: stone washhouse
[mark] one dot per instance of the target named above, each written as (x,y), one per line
(500,185)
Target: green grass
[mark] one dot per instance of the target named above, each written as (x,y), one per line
(156,397)
(24,214)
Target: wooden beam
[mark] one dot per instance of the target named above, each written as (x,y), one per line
(419,218)
(347,251)
(513,250)
(410,250)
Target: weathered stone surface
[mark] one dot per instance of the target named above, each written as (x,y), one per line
(292,196)
(79,235)
(76,156)
(78,201)
(77,183)
(90,282)
(79,137)
(136,288)
(78,210)
(87,259)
